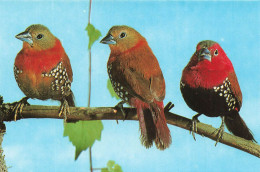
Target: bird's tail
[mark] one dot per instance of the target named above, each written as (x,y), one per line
(70,99)
(236,125)
(147,127)
(163,136)
(153,125)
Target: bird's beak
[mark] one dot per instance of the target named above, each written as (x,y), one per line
(204,54)
(25,36)
(109,39)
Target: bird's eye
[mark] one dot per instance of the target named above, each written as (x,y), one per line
(122,35)
(40,36)
(216,53)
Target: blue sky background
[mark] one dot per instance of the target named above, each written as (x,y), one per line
(172,30)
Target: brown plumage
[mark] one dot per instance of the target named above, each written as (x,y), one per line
(137,79)
(42,68)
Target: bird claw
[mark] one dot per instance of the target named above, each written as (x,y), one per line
(220,131)
(120,107)
(194,128)
(168,107)
(64,109)
(18,107)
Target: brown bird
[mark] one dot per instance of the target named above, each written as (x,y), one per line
(42,69)
(137,79)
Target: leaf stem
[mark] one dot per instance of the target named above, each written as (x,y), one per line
(89,12)
(90,159)
(89,86)
(89,82)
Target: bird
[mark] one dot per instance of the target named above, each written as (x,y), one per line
(137,79)
(209,86)
(42,69)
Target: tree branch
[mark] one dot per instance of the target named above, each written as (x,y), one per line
(108,113)
(3,167)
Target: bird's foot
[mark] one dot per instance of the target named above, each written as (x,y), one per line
(168,107)
(194,129)
(220,131)
(64,109)
(18,107)
(120,107)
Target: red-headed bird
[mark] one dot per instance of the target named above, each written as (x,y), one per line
(42,68)
(209,86)
(137,79)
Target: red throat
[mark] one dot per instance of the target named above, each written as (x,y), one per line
(207,74)
(39,61)
(115,51)
(137,45)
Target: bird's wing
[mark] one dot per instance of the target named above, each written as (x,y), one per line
(67,66)
(138,85)
(157,87)
(235,87)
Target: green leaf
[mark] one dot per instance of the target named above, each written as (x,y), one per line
(117,168)
(93,34)
(104,170)
(112,167)
(83,134)
(111,90)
